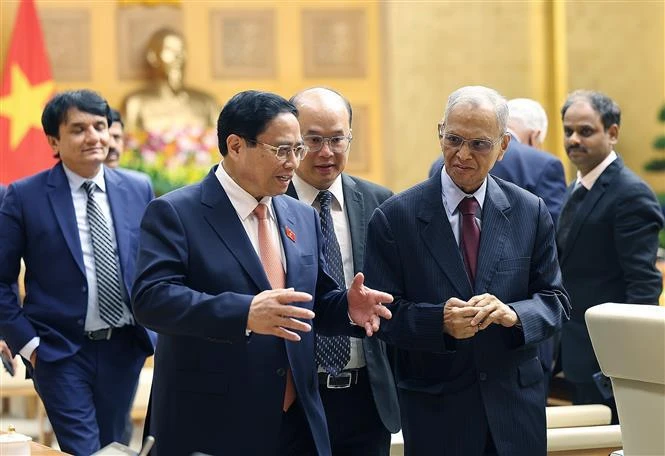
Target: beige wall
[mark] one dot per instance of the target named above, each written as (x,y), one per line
(418,52)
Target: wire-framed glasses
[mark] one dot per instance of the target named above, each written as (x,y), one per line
(337,144)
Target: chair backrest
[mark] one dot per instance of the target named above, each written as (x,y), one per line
(629,341)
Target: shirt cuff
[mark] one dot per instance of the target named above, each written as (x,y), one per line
(29,348)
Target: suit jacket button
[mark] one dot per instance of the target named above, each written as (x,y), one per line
(79,321)
(281,372)
(84,289)
(482,376)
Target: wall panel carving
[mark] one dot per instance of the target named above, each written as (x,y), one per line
(67,40)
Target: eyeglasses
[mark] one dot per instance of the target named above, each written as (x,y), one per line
(337,144)
(282,152)
(477,145)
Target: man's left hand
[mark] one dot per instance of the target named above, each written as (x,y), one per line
(493,311)
(366,305)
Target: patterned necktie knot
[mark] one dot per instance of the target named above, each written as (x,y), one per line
(89,187)
(261,211)
(468,206)
(324,198)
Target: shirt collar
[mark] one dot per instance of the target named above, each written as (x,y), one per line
(453,195)
(75,181)
(308,193)
(592,176)
(242,201)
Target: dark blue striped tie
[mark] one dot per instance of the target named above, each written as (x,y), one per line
(332,353)
(109,296)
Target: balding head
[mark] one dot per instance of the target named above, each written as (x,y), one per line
(325,122)
(528,120)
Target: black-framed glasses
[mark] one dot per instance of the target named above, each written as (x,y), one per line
(477,145)
(282,152)
(337,144)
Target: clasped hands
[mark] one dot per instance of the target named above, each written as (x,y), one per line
(463,319)
(272,312)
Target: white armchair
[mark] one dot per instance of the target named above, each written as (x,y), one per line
(629,342)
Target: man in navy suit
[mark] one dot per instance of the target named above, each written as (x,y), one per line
(471,262)
(361,400)
(234,364)
(607,234)
(76,330)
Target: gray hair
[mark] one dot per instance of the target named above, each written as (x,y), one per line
(478,96)
(530,114)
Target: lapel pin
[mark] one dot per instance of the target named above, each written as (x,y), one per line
(290,234)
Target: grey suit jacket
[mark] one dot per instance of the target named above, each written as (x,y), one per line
(361,198)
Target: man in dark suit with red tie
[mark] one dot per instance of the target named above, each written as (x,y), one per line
(357,389)
(471,262)
(230,274)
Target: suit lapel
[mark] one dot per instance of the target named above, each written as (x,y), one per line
(439,238)
(223,218)
(357,218)
(60,198)
(119,203)
(590,201)
(494,228)
(287,227)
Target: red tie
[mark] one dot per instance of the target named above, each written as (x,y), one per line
(271,259)
(470,238)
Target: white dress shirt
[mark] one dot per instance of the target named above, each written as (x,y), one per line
(452,195)
(307,194)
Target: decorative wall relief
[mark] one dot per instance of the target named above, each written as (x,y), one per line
(335,42)
(67,39)
(242,43)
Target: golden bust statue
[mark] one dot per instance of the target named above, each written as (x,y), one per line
(166,102)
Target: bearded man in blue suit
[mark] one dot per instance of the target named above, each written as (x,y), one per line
(471,262)
(234,367)
(76,227)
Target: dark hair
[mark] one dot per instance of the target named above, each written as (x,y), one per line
(608,109)
(116,117)
(294,99)
(55,111)
(247,114)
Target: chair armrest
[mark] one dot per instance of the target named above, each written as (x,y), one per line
(577,415)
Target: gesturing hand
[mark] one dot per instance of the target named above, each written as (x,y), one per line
(457,319)
(366,305)
(270,313)
(492,310)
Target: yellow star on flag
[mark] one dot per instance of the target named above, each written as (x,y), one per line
(24,104)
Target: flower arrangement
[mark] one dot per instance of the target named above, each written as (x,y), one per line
(172,158)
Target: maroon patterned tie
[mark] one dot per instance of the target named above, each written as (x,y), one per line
(470,238)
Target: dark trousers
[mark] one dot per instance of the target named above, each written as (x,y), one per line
(354,425)
(88,395)
(295,438)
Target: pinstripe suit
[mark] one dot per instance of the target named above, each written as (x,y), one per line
(453,393)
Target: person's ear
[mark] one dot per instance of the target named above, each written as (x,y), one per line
(533,138)
(613,132)
(503,146)
(234,145)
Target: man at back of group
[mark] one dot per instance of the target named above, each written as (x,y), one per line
(76,227)
(229,272)
(607,234)
(524,164)
(471,263)
(357,388)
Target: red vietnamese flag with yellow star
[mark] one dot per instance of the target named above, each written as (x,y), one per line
(25,88)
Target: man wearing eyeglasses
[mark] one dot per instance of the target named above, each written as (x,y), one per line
(357,389)
(230,273)
(471,262)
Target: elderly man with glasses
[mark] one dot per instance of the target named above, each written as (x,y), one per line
(471,262)
(230,273)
